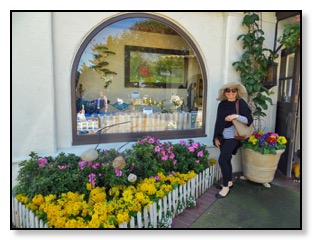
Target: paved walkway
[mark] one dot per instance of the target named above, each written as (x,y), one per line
(207,199)
(190,215)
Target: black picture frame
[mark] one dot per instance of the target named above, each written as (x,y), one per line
(155,67)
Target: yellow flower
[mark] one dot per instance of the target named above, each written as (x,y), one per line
(48,199)
(122,217)
(212,161)
(253,140)
(21,198)
(89,186)
(281,140)
(38,200)
(59,222)
(160,194)
(94,223)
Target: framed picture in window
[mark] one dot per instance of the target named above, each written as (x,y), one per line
(155,67)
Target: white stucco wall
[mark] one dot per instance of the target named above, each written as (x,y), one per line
(44,46)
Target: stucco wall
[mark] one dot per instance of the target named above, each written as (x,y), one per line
(44,46)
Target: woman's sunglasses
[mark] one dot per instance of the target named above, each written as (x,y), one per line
(228,90)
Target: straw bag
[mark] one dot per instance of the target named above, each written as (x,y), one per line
(242,131)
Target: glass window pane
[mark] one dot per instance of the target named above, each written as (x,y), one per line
(283,68)
(287,87)
(290,65)
(138,75)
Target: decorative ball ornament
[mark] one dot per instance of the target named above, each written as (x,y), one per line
(89,155)
(119,162)
(132,178)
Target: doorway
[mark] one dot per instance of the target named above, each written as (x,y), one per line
(288,108)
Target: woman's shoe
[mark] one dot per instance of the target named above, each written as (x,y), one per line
(218,195)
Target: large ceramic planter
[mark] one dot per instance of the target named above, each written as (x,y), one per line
(259,167)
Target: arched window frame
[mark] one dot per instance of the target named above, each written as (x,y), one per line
(133,136)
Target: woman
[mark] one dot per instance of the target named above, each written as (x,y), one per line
(223,137)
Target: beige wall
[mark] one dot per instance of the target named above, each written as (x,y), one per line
(45,44)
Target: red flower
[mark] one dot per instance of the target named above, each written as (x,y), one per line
(271,139)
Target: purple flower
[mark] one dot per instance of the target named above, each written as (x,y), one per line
(171,155)
(132,167)
(151,141)
(182,142)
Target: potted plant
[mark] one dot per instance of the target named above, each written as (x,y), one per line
(261,152)
(291,34)
(261,155)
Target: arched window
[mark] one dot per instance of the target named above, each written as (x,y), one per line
(135,75)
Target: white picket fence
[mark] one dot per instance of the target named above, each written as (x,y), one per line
(24,218)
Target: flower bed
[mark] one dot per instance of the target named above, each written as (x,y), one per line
(155,182)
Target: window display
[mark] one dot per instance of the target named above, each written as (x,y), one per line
(140,75)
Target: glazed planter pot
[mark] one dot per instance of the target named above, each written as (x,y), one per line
(259,167)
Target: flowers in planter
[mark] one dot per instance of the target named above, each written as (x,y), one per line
(67,192)
(102,207)
(265,143)
(291,34)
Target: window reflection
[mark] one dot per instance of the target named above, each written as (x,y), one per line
(141,73)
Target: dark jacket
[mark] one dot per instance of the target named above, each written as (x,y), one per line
(226,108)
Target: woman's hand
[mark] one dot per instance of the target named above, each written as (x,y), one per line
(231,117)
(217,142)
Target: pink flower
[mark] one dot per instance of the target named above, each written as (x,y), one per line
(171,155)
(200,154)
(197,161)
(174,162)
(118,172)
(42,162)
(94,166)
(164,157)
(191,149)
(157,149)
(151,141)
(92,178)
(195,145)
(61,167)
(82,164)
(182,142)
(155,177)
